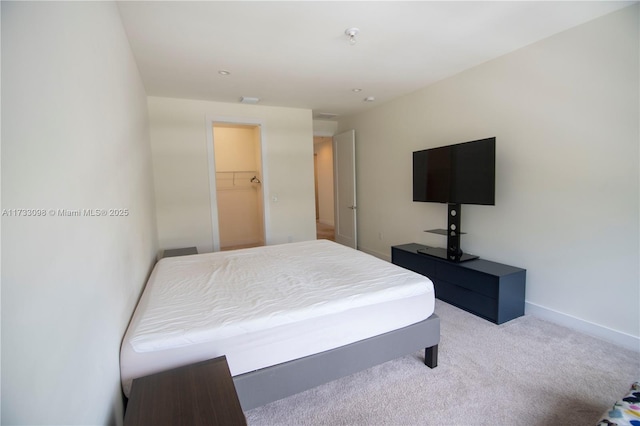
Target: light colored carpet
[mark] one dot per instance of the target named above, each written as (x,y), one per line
(525,372)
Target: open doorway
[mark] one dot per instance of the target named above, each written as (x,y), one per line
(323,169)
(238,185)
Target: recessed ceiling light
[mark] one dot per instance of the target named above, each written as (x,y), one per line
(224,72)
(369,99)
(356,90)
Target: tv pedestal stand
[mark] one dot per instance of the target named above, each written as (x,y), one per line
(453,252)
(491,290)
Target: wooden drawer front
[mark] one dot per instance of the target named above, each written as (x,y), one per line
(461,297)
(484,284)
(414,262)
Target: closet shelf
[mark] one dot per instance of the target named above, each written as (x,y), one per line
(237,179)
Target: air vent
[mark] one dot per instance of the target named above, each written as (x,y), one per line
(249,100)
(325,116)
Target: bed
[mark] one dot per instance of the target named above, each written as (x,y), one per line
(287,317)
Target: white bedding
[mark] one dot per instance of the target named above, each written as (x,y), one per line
(267,305)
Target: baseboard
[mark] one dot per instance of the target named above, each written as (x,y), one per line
(619,338)
(379,255)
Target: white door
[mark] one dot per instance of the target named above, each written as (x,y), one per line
(344,156)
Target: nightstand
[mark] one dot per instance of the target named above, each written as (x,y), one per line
(197,394)
(179,252)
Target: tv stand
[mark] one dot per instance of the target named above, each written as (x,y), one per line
(453,252)
(487,289)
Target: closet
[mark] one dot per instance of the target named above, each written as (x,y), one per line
(238,171)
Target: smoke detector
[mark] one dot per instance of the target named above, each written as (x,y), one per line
(352,33)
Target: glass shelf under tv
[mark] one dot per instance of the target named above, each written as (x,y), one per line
(441,232)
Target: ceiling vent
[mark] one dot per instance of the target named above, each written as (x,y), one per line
(325,116)
(249,100)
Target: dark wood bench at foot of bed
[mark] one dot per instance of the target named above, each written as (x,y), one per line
(269,384)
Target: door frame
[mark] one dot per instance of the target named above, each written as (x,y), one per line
(213,197)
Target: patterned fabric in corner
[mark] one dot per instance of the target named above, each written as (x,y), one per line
(625,412)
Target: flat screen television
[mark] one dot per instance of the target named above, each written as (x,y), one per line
(463,173)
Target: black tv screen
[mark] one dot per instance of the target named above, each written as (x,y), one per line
(463,173)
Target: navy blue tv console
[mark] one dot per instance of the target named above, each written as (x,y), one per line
(490,290)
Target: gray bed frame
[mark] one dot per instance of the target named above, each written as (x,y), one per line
(269,384)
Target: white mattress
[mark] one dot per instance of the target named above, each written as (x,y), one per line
(267,305)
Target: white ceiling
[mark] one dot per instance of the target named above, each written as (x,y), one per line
(295,53)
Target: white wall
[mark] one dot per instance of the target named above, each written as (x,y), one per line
(74,136)
(565,114)
(178,129)
(324,127)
